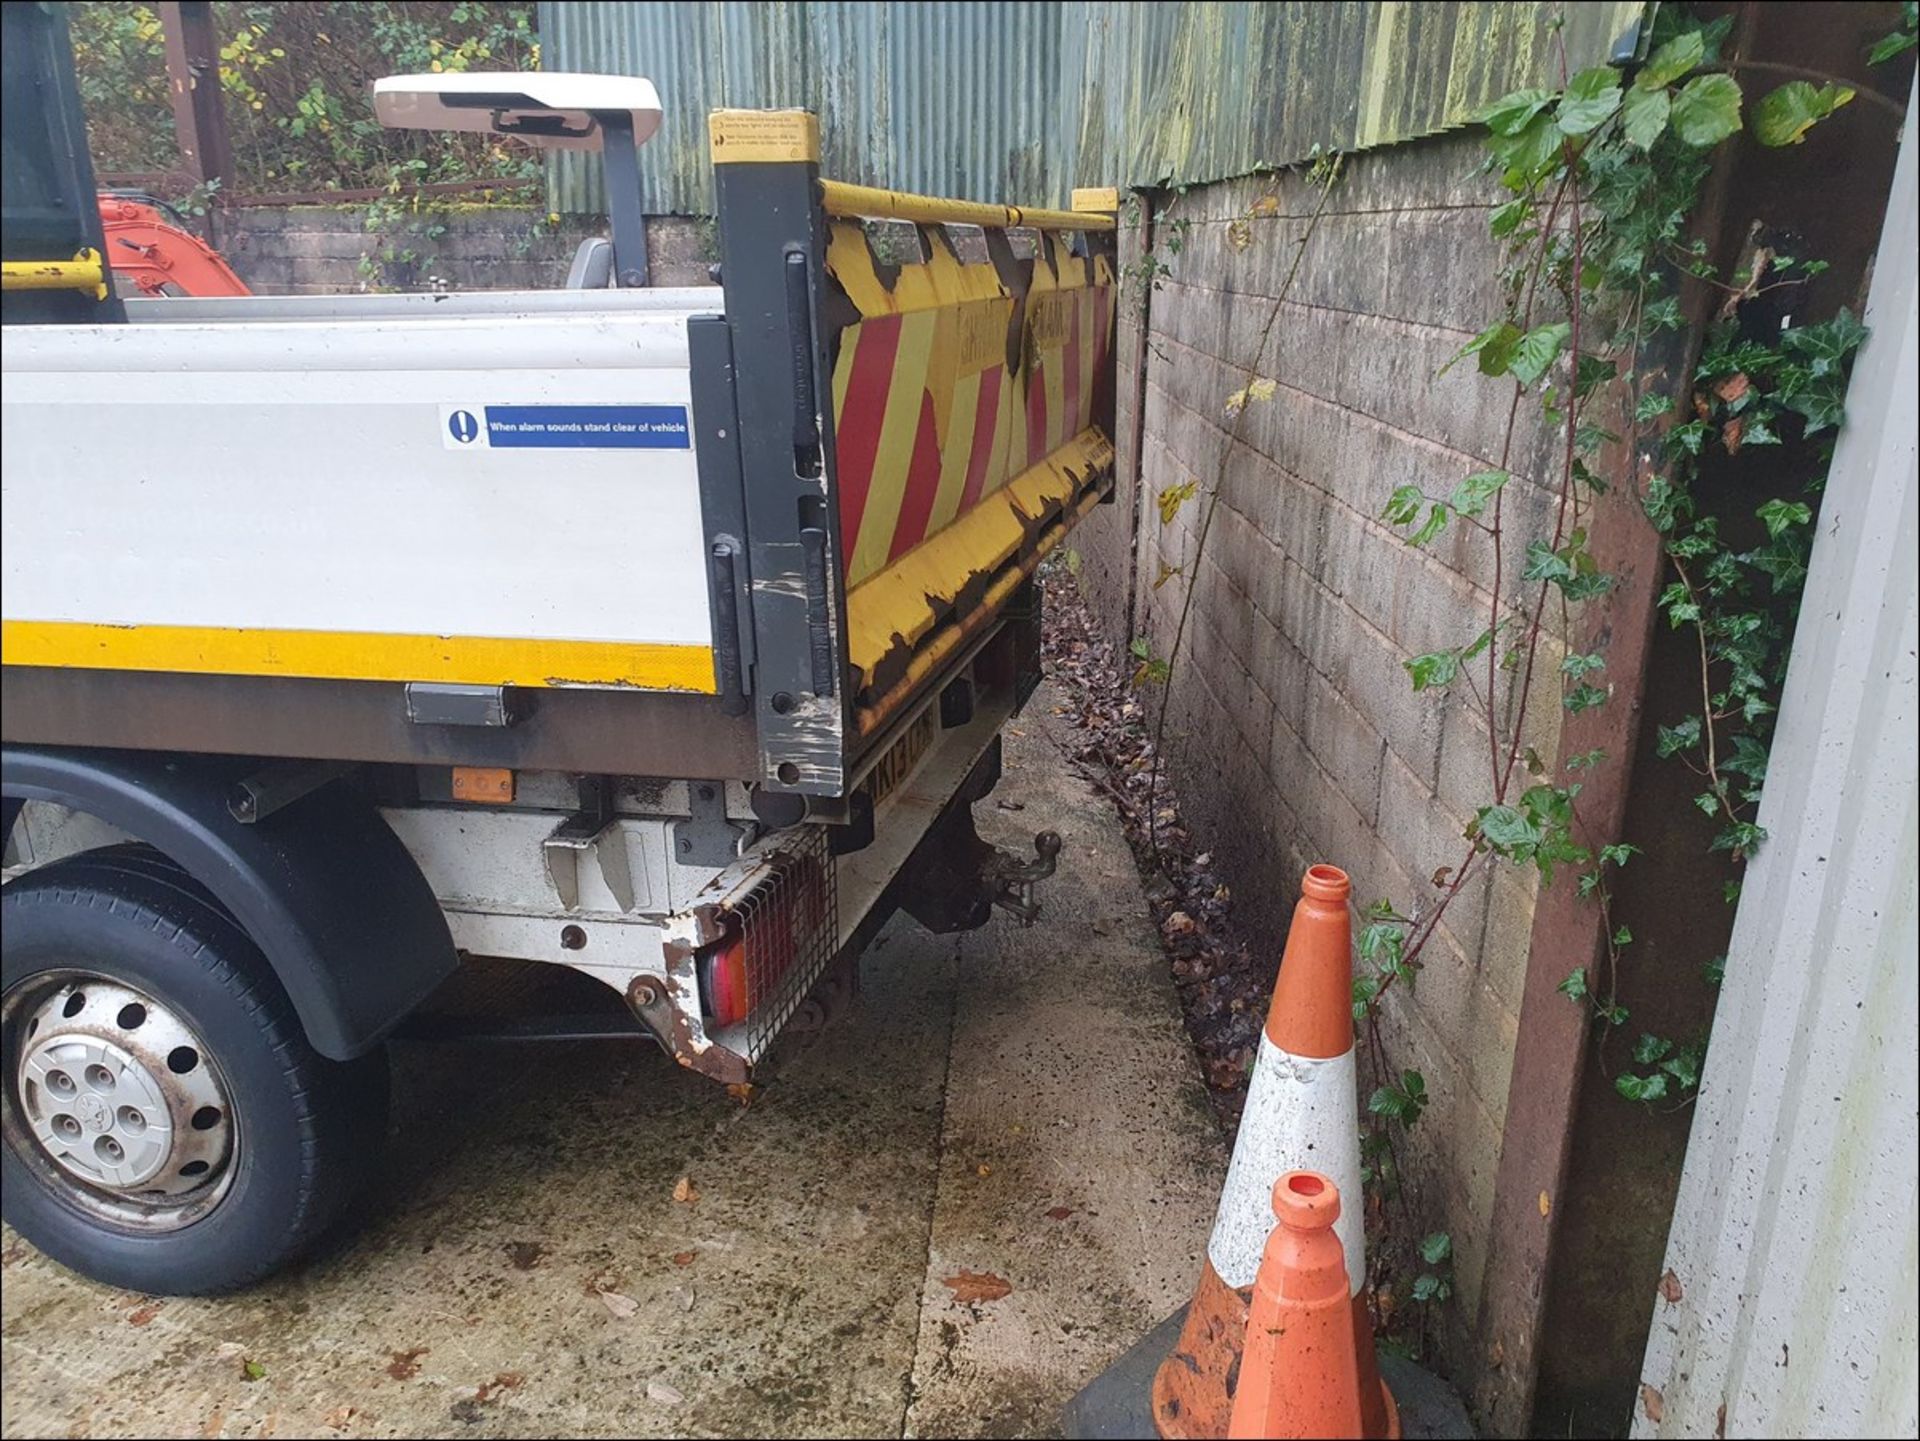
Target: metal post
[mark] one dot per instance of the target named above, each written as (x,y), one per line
(621,158)
(193,84)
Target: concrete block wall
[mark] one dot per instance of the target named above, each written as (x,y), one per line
(319,249)
(1293,728)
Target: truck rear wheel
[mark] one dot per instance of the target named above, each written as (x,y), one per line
(167,1127)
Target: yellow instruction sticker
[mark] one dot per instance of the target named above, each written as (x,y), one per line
(763,137)
(1050,318)
(982,335)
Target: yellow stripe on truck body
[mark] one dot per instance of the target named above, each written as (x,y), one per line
(346,655)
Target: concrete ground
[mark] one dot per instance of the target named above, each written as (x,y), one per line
(938,1218)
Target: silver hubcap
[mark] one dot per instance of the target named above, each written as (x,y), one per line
(117,1093)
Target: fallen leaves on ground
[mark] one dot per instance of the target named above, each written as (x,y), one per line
(971,1286)
(622,1305)
(1222,986)
(1670,1290)
(983,1169)
(685,1192)
(504,1381)
(661,1392)
(252,1371)
(684,1258)
(743,1092)
(142,1315)
(1059,1213)
(405,1365)
(340,1417)
(525,1255)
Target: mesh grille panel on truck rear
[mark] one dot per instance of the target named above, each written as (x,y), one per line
(790,927)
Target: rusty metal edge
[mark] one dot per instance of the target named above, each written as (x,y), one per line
(1550,1050)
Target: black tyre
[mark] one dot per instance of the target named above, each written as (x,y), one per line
(167,1127)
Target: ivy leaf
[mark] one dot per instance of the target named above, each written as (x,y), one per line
(1535,352)
(1650,1048)
(1826,346)
(1665,314)
(1592,97)
(1579,665)
(1429,1287)
(1671,61)
(1510,113)
(1683,737)
(1574,987)
(1544,564)
(1684,1066)
(1436,1249)
(1583,697)
(1641,1088)
(1707,110)
(1653,405)
(1436,668)
(1780,516)
(1786,115)
(1623,936)
(1619,853)
(1470,497)
(1644,115)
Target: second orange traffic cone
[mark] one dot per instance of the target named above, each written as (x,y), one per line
(1300,1375)
(1302,1111)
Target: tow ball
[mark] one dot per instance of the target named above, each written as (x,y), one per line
(1012,879)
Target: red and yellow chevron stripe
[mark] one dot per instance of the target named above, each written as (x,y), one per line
(955,379)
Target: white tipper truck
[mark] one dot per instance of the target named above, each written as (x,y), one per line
(665,635)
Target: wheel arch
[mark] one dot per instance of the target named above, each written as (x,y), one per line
(323,886)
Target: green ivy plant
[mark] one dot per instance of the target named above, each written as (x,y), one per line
(1604,174)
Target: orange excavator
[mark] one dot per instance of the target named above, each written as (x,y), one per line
(153,252)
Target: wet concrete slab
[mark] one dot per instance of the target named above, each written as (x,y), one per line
(1018,1106)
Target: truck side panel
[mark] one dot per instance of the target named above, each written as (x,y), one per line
(489,500)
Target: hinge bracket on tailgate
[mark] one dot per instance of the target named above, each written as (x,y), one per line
(772,265)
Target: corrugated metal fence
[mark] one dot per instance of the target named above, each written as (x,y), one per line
(1789,1308)
(1020,100)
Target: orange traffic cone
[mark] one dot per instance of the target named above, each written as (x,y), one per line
(1301,1373)
(1302,1110)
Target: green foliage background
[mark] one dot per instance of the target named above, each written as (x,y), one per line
(297,78)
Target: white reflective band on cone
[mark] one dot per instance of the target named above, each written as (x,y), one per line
(1302,1114)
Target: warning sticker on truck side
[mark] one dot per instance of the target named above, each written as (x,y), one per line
(564,427)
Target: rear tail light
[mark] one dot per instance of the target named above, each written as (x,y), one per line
(724,993)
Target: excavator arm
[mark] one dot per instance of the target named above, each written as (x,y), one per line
(154,253)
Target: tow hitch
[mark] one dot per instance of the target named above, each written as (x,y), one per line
(1013,879)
